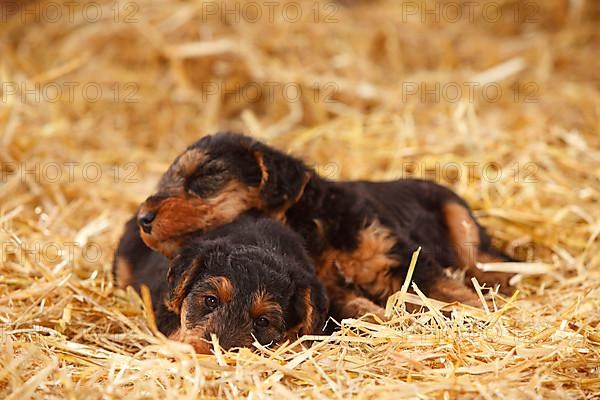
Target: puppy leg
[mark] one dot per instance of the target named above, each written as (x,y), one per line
(130,248)
(451,290)
(343,297)
(357,307)
(465,236)
(492,278)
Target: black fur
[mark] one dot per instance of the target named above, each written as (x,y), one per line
(331,215)
(256,255)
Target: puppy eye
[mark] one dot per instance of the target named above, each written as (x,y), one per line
(206,182)
(262,322)
(211,302)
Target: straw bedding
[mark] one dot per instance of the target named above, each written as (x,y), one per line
(528,161)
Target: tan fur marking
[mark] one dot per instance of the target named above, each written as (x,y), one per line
(189,161)
(181,214)
(345,303)
(483,257)
(464,233)
(309,311)
(183,318)
(193,336)
(176,301)
(360,306)
(176,336)
(123,272)
(367,265)
(451,290)
(185,165)
(305,326)
(264,173)
(491,278)
(262,304)
(305,179)
(223,287)
(280,214)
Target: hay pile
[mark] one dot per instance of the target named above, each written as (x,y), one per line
(119,95)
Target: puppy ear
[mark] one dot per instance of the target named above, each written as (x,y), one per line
(180,276)
(311,307)
(283,180)
(264,173)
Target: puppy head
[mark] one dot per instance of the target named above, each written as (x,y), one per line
(242,295)
(215,180)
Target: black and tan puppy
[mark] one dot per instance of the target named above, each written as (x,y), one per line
(360,234)
(244,281)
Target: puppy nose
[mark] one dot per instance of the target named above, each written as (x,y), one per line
(145,219)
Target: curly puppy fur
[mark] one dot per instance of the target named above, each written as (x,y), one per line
(247,280)
(360,234)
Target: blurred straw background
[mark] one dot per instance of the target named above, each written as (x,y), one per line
(500,101)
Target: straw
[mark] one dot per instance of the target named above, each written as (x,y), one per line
(378,101)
